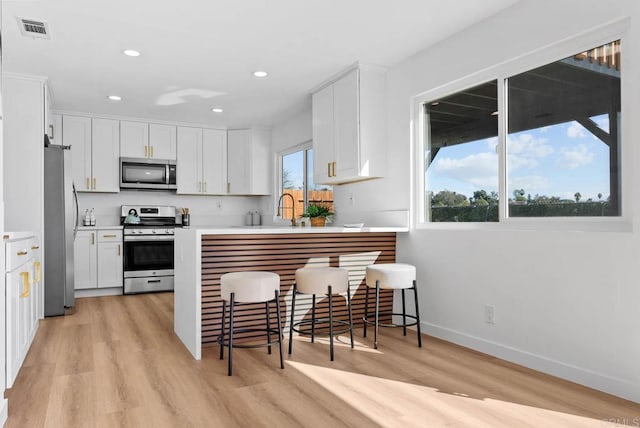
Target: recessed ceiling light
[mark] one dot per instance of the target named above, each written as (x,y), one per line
(217,110)
(131,52)
(114,97)
(260,73)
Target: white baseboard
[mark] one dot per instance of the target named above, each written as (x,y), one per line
(98,292)
(612,385)
(4,411)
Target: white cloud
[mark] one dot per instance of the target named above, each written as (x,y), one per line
(532,184)
(575,130)
(478,169)
(526,145)
(576,157)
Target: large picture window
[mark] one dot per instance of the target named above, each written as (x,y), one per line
(560,141)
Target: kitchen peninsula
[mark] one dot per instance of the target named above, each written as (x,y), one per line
(203,254)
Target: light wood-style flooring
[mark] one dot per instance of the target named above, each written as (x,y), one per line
(117,363)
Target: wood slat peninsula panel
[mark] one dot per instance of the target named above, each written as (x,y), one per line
(283,254)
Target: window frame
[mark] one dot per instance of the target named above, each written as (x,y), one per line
(305,146)
(501,72)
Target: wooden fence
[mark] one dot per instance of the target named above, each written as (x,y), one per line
(320,197)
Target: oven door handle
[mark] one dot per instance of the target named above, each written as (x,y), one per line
(138,238)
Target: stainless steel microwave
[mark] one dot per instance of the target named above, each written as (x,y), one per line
(147,174)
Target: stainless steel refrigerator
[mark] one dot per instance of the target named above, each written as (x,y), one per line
(60,228)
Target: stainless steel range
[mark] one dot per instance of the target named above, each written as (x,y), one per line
(148,248)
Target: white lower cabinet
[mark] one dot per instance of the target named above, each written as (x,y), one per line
(21,301)
(98,259)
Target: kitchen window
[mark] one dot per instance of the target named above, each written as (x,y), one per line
(539,143)
(296,179)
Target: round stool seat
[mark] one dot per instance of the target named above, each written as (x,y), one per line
(391,275)
(249,287)
(318,279)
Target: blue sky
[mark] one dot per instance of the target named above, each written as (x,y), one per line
(557,160)
(294,164)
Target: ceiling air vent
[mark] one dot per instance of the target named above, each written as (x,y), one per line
(31,28)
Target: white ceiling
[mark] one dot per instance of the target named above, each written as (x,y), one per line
(199,54)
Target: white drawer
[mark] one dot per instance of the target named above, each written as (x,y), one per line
(109,236)
(19,251)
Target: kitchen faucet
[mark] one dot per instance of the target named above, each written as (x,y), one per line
(293,207)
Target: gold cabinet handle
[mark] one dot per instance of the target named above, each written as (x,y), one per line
(88,183)
(51,132)
(118,249)
(145,151)
(333,168)
(95,181)
(151,151)
(228,187)
(109,236)
(35,247)
(328,169)
(93,238)
(38,275)
(22,253)
(25,284)
(205,187)
(6,236)
(199,186)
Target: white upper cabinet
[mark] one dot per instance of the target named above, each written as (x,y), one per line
(134,139)
(57,129)
(95,152)
(147,140)
(248,166)
(189,162)
(162,141)
(105,155)
(214,161)
(202,165)
(76,132)
(349,127)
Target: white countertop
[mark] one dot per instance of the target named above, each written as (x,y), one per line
(100,227)
(240,230)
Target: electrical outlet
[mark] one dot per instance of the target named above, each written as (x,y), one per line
(489,314)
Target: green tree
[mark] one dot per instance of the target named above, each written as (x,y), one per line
(447,198)
(518,195)
(287,182)
(577,196)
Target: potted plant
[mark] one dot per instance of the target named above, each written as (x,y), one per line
(317,214)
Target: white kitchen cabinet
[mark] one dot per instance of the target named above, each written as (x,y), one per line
(349,127)
(202,161)
(98,259)
(21,303)
(109,259)
(95,152)
(147,140)
(162,141)
(57,130)
(134,139)
(85,256)
(248,166)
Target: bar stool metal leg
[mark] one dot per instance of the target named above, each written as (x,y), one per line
(330,323)
(404,316)
(366,311)
(266,310)
(233,297)
(375,330)
(313,318)
(293,311)
(350,316)
(280,336)
(415,295)
(224,310)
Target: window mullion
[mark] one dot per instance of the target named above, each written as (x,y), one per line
(503,189)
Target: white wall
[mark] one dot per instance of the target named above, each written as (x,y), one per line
(566,302)
(205,210)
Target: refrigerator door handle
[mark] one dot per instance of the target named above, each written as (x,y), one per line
(75,198)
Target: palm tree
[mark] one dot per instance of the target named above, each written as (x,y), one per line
(577,196)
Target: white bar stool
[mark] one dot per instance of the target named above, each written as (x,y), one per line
(392,276)
(325,281)
(249,287)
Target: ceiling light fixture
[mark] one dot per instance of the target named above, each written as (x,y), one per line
(217,110)
(260,73)
(130,52)
(115,97)
(435,103)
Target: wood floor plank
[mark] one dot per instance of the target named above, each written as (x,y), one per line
(117,363)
